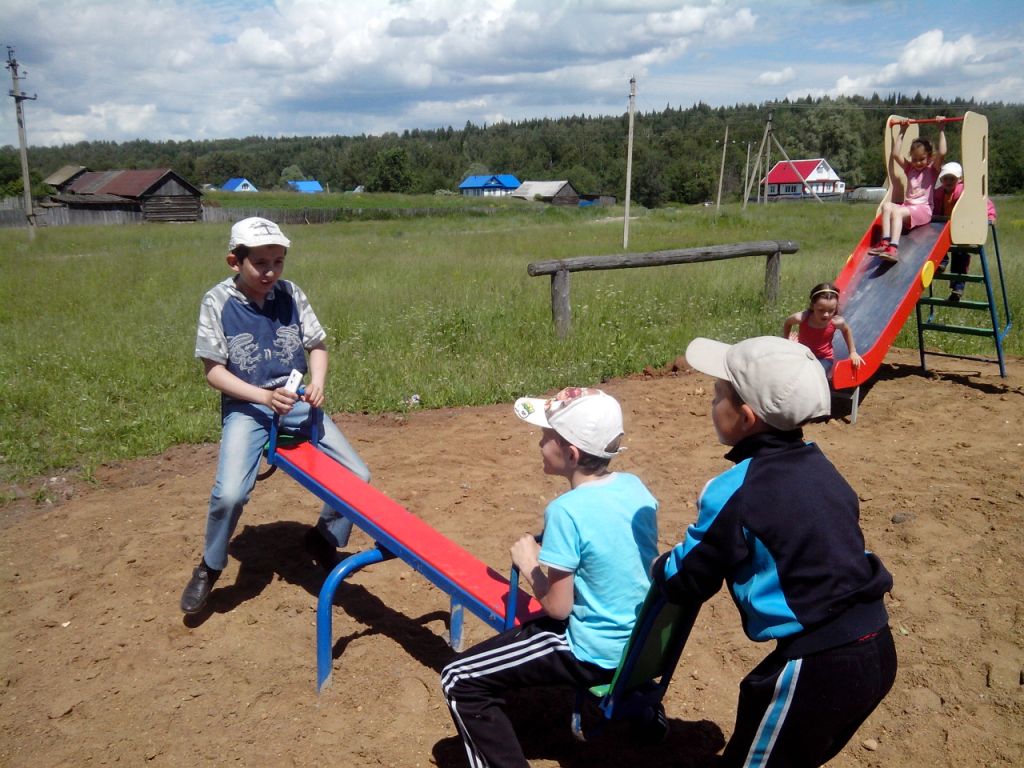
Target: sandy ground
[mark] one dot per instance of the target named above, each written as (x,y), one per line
(99,667)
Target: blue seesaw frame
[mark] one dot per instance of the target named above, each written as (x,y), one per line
(397,533)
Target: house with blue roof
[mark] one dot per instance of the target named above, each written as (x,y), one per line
(498,185)
(306,186)
(239,184)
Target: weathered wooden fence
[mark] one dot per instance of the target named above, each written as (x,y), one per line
(58,216)
(560,269)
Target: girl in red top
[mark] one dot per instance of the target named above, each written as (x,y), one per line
(817,324)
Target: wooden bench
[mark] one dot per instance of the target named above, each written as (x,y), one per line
(396,532)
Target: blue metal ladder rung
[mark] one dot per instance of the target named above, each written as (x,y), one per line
(996,332)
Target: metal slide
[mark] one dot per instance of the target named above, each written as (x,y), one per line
(877,297)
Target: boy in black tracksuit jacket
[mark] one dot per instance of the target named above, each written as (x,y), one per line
(781,529)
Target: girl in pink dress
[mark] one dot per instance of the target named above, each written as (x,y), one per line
(817,324)
(922,170)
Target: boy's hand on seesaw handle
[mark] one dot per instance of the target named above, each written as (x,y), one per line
(282,400)
(313,394)
(525,552)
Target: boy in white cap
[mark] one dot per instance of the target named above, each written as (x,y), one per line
(948,189)
(254,329)
(591,575)
(781,530)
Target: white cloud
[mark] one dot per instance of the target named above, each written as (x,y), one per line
(779,77)
(186,69)
(932,64)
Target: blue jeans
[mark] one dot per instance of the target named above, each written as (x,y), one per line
(245,431)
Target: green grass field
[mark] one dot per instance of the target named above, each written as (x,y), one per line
(98,323)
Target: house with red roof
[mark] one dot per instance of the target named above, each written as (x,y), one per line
(796,179)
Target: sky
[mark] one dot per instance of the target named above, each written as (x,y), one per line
(206,69)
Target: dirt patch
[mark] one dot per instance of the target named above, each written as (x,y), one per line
(100,668)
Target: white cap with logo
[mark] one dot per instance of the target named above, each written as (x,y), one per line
(779,379)
(588,418)
(254,232)
(949,169)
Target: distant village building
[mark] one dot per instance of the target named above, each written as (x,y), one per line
(497,185)
(239,184)
(308,186)
(158,194)
(554,192)
(62,177)
(784,180)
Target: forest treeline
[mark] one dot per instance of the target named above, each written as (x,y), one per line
(677,152)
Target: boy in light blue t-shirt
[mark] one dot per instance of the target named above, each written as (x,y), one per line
(591,576)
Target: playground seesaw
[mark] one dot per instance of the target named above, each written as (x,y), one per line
(647,662)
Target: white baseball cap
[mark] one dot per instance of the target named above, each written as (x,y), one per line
(779,379)
(256,231)
(949,169)
(590,419)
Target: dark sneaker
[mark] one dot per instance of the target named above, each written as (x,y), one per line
(320,549)
(955,296)
(652,726)
(197,591)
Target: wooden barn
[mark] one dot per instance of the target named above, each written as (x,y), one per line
(63,177)
(158,194)
(554,192)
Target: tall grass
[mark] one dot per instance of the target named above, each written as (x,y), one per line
(98,323)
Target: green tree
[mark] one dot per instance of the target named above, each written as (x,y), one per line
(391,171)
(290,173)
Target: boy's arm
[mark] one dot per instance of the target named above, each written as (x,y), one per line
(694,569)
(314,394)
(221,379)
(553,589)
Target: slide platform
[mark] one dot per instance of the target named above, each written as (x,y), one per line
(877,297)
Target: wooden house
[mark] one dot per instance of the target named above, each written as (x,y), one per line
(239,184)
(158,194)
(497,185)
(796,179)
(306,186)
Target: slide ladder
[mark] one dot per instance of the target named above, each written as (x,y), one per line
(997,331)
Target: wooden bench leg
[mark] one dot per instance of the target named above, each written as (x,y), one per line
(325,606)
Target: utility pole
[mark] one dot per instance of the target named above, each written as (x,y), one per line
(19,96)
(721,170)
(757,163)
(629,163)
(746,173)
